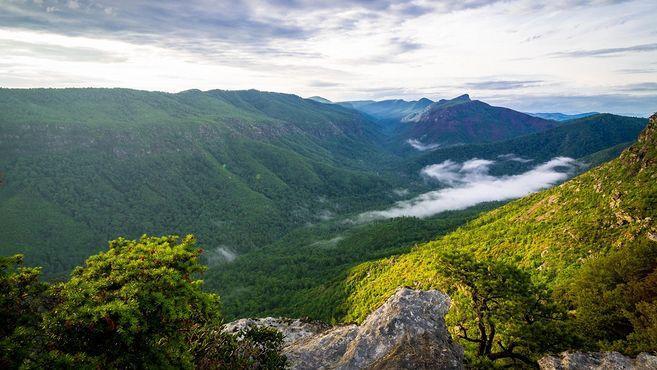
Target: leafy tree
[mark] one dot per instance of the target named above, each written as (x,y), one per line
(132,305)
(498,309)
(614,298)
(137,305)
(22,299)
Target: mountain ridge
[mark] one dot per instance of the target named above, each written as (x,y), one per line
(392,109)
(561,116)
(215,163)
(462,120)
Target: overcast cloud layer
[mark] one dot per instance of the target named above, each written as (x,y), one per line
(569,56)
(470,184)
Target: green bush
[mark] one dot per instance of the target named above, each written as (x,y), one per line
(615,299)
(137,305)
(22,299)
(133,304)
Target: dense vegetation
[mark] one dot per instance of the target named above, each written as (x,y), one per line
(282,279)
(237,169)
(138,304)
(277,181)
(592,241)
(576,139)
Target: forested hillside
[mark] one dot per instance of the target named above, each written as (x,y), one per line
(588,247)
(281,279)
(575,139)
(274,185)
(238,169)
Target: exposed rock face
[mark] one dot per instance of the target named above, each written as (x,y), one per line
(292,329)
(406,332)
(597,361)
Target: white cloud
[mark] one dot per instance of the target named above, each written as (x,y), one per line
(513,157)
(470,184)
(385,49)
(401,192)
(452,173)
(328,242)
(417,144)
(220,255)
(325,215)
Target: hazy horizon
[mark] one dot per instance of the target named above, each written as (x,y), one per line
(569,56)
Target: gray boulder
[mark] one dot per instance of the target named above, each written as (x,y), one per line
(407,332)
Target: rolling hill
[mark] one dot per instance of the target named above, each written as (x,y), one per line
(561,116)
(251,173)
(238,169)
(388,110)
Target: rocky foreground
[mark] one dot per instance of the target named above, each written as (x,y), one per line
(407,332)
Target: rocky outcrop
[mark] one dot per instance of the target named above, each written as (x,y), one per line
(597,361)
(407,332)
(292,329)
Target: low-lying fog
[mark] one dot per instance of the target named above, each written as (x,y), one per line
(469,183)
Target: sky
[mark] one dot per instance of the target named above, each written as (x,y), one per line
(564,56)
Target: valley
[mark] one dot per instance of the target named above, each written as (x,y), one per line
(314,209)
(345,185)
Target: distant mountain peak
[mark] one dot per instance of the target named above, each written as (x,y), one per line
(457,120)
(320,99)
(445,103)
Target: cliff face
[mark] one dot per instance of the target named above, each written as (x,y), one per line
(407,331)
